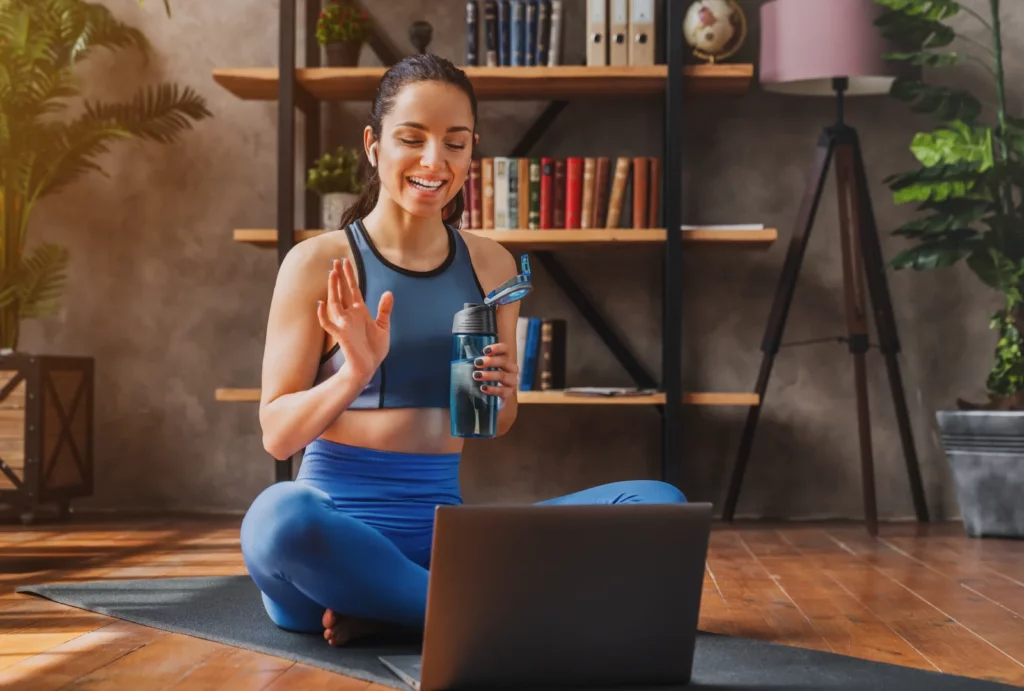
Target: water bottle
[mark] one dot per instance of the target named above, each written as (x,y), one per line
(474,413)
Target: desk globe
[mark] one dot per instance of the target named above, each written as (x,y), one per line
(715,29)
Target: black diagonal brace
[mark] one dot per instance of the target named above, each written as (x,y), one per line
(582,302)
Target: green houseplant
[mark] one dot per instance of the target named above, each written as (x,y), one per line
(45,146)
(342,29)
(335,177)
(969,185)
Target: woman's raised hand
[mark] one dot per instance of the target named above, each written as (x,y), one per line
(363,340)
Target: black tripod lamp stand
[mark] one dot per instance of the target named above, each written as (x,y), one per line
(832,48)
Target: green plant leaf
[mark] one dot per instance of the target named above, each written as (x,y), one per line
(911,30)
(956,143)
(157,113)
(928,9)
(938,183)
(944,103)
(935,254)
(42,281)
(926,58)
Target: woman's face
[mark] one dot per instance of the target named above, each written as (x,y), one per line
(425,148)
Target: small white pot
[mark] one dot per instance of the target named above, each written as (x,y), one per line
(335,204)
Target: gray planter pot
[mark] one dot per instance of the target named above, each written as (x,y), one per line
(335,204)
(985,452)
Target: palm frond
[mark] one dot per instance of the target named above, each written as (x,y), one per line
(42,280)
(157,113)
(103,30)
(66,151)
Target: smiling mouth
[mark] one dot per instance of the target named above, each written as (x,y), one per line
(424,184)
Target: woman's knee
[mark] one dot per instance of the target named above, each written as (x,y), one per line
(282,520)
(656,492)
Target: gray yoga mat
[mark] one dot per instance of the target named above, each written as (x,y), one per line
(228,609)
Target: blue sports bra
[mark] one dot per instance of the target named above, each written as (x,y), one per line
(415,372)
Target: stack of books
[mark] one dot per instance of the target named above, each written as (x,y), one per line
(514,33)
(504,193)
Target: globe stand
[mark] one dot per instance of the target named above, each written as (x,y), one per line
(420,35)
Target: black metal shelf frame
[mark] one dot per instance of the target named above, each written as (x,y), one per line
(292,97)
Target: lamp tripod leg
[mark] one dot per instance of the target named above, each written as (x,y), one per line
(780,309)
(850,223)
(886,325)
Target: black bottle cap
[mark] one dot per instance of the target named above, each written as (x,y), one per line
(475,318)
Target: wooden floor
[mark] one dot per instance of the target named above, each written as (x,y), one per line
(928,598)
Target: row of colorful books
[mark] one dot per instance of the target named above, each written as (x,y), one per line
(514,33)
(505,193)
(540,353)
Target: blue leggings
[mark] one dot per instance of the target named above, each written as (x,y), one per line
(353,532)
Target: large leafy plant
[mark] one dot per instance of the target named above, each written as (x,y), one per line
(970,177)
(44,149)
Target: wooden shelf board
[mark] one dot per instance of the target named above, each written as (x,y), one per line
(561,398)
(497,83)
(577,237)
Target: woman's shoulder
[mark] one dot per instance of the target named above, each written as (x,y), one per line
(492,261)
(318,249)
(308,262)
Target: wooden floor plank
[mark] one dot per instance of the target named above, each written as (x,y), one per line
(234,669)
(989,622)
(78,657)
(307,678)
(949,645)
(155,667)
(848,626)
(931,599)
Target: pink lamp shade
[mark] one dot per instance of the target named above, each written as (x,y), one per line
(806,43)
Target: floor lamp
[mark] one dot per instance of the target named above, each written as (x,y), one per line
(832,48)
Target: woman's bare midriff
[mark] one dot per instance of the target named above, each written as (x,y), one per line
(405,430)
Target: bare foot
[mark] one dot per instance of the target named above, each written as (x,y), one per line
(339,630)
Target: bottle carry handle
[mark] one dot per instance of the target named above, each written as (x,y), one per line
(515,288)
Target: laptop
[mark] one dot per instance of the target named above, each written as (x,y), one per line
(554,595)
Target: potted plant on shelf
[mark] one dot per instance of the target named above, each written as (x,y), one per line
(45,146)
(342,29)
(335,177)
(969,185)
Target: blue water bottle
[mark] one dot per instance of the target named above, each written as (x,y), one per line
(474,327)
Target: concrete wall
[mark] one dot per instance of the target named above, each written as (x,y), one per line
(172,308)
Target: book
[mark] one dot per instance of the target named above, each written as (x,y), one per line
(558,213)
(534,212)
(547,192)
(476,199)
(587,199)
(487,186)
(490,26)
(513,193)
(472,32)
(500,193)
(551,367)
(504,32)
(531,350)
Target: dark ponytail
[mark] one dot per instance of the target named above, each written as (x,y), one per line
(416,68)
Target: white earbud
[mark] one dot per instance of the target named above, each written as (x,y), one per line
(373,156)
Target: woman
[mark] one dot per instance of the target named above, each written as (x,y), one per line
(345,548)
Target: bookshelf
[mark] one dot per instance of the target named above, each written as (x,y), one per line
(496,83)
(563,398)
(669,84)
(567,238)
